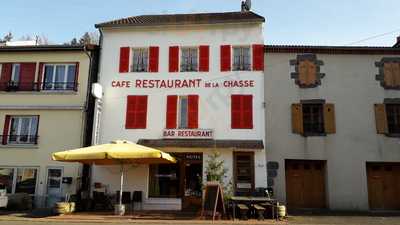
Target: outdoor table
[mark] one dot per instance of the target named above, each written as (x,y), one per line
(250,201)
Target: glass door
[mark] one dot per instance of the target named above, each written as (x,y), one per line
(54,185)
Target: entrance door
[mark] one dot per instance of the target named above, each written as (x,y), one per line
(305,184)
(383,186)
(54,182)
(243,167)
(192,170)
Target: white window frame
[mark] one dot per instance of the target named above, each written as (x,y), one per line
(250,57)
(181,58)
(15,174)
(53,84)
(18,133)
(13,73)
(179,119)
(132,57)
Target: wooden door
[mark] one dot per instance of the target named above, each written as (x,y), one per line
(383,186)
(305,184)
(243,168)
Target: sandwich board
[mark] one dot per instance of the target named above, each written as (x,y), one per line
(213,201)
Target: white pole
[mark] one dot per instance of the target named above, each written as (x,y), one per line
(122,184)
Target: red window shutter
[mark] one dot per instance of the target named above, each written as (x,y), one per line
(136,112)
(204,58)
(193,111)
(6,129)
(247,113)
(5,75)
(236,111)
(225,58)
(258,57)
(172,103)
(242,112)
(173,59)
(124,59)
(27,78)
(76,76)
(154,59)
(40,76)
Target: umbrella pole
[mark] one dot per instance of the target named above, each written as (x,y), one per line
(122,183)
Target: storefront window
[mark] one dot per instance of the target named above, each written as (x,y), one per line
(26,180)
(6,179)
(164,181)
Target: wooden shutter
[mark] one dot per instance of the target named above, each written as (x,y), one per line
(154,52)
(173,59)
(307,72)
(76,76)
(381,119)
(396,74)
(27,76)
(236,108)
(225,58)
(141,112)
(204,58)
(388,74)
(258,57)
(247,112)
(193,111)
(171,115)
(6,129)
(40,76)
(124,59)
(5,75)
(297,118)
(329,118)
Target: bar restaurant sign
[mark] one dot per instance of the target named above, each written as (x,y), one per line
(188,134)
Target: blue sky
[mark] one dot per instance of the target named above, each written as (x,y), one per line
(314,22)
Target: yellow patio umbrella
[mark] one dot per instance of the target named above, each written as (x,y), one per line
(115,153)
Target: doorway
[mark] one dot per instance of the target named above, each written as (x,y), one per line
(54,185)
(243,169)
(192,180)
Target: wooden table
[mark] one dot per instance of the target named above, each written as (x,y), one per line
(252,200)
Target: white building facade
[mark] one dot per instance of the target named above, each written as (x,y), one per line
(332,126)
(190,85)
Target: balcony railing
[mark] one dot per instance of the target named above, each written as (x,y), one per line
(19,139)
(12,86)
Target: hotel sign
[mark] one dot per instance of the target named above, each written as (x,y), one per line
(188,134)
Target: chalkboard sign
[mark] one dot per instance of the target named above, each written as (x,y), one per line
(213,201)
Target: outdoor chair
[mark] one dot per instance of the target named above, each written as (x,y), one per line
(243,211)
(101,201)
(137,198)
(126,197)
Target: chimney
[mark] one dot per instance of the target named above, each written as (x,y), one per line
(397,45)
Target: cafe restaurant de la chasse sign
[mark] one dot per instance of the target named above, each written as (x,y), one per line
(189,85)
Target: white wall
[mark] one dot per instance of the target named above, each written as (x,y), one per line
(350,84)
(214,103)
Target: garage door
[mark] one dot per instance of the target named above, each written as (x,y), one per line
(305,184)
(384,185)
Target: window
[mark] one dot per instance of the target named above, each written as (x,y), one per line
(189,59)
(313,119)
(23,130)
(26,180)
(15,74)
(164,181)
(136,112)
(6,179)
(19,179)
(140,60)
(182,112)
(60,77)
(242,112)
(307,71)
(241,58)
(391,71)
(393,118)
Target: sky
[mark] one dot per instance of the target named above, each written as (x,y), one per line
(298,22)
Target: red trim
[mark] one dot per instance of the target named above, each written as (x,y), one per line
(40,76)
(6,129)
(258,57)
(171,114)
(204,58)
(173,59)
(124,59)
(6,71)
(193,111)
(154,52)
(76,76)
(27,76)
(225,58)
